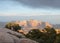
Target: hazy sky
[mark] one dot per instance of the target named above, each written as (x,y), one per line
(29,7)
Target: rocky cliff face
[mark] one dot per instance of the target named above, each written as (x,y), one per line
(27,25)
(33,24)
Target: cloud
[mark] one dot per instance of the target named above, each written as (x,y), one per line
(40,3)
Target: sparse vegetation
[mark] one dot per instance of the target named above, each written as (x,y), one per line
(42,37)
(48,35)
(58,38)
(13,26)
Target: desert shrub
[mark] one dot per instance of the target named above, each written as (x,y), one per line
(34,34)
(50,35)
(58,38)
(13,26)
(42,37)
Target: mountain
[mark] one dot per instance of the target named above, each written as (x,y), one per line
(2,24)
(27,25)
(56,26)
(33,24)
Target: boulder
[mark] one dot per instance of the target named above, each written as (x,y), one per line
(5,38)
(19,35)
(8,38)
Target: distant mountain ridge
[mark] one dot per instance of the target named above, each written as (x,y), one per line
(27,25)
(33,24)
(56,26)
(2,24)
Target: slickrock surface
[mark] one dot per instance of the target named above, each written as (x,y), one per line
(8,36)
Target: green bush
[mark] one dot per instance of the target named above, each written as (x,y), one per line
(58,38)
(42,37)
(34,34)
(50,35)
(13,26)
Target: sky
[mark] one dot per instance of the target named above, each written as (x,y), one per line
(29,7)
